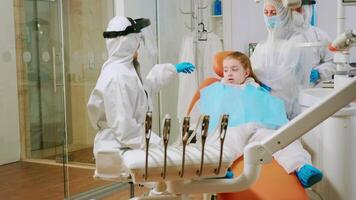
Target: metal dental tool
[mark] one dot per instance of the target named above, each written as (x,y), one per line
(185,137)
(223,127)
(193,133)
(204,135)
(166,132)
(148,126)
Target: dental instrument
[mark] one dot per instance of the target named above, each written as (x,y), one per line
(204,135)
(166,134)
(148,126)
(223,127)
(185,137)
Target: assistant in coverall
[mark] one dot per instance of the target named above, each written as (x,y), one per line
(118,104)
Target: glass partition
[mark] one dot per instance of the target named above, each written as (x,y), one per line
(84,54)
(62,51)
(42,59)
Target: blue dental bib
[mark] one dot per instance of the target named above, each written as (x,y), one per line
(243,105)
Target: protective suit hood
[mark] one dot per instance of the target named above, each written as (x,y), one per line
(285,29)
(121,48)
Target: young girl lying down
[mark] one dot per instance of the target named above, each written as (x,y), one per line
(254,115)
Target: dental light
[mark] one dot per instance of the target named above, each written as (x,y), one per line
(344,41)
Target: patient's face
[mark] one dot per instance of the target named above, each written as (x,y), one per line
(234,72)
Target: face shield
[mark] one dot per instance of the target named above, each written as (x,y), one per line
(149,41)
(309,11)
(136,26)
(141,27)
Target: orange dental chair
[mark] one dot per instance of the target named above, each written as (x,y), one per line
(274,183)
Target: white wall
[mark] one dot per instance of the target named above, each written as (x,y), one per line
(9,119)
(243,24)
(247,24)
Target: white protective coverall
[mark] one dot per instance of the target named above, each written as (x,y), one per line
(238,137)
(322,58)
(285,68)
(118,104)
(280,64)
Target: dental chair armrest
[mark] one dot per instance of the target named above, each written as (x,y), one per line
(254,154)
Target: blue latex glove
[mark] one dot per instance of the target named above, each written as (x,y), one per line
(309,175)
(314,76)
(185,67)
(229,173)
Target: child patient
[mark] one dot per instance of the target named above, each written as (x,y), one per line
(254,115)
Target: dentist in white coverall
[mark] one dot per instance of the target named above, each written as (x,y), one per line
(284,69)
(118,104)
(322,58)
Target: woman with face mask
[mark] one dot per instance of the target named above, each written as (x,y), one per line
(322,66)
(283,68)
(277,61)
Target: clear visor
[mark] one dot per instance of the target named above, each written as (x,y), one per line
(149,41)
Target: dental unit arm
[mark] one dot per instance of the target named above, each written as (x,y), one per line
(344,41)
(341,46)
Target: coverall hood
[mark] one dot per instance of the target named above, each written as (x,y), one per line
(122,48)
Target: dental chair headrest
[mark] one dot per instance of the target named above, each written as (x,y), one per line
(218,62)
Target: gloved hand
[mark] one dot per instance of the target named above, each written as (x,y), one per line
(309,175)
(229,173)
(314,76)
(185,67)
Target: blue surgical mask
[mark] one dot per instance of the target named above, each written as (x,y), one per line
(272,21)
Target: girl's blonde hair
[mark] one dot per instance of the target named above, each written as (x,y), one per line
(245,62)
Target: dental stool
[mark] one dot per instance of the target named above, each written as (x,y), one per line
(274,183)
